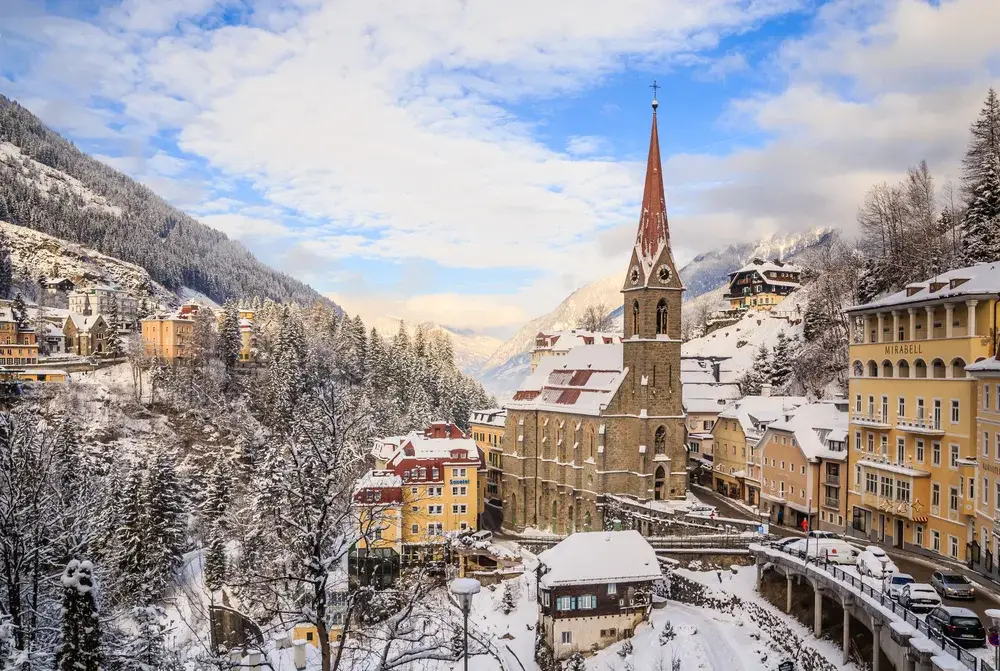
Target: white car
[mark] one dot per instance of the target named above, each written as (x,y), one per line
(822,534)
(919,597)
(831,549)
(875,562)
(893,584)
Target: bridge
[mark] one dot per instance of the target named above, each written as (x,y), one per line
(899,639)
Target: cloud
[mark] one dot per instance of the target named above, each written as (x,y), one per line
(240,226)
(479,312)
(586,145)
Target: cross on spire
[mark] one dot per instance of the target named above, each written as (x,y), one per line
(656,87)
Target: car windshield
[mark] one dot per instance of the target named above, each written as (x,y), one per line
(966,622)
(955,579)
(901,580)
(923,588)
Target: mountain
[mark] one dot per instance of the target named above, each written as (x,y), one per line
(49,185)
(472,350)
(704,278)
(710,270)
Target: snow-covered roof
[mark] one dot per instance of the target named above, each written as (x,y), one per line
(83,323)
(767,266)
(433,448)
(600,557)
(581,382)
(751,411)
(384,448)
(814,426)
(490,417)
(378,480)
(50,330)
(982,279)
(563,341)
(985,366)
(893,468)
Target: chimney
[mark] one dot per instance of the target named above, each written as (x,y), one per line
(765,390)
(716,370)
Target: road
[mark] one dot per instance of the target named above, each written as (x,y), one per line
(919,567)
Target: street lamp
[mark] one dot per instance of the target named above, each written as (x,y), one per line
(994,633)
(464,589)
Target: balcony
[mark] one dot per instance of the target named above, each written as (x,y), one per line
(831,502)
(889,505)
(923,426)
(832,480)
(870,420)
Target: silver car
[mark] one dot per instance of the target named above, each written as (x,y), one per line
(952,585)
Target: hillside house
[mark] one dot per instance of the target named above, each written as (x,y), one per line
(168,336)
(103,299)
(557,343)
(85,335)
(762,284)
(18,344)
(594,589)
(58,284)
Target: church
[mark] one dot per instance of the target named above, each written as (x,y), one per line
(606,419)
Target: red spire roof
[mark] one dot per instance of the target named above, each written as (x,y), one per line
(653,232)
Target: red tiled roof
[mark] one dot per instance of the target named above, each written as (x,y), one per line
(526,395)
(580,378)
(569,396)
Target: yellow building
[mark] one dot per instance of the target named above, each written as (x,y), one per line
(802,458)
(18,346)
(736,469)
(987,375)
(168,336)
(487,427)
(913,419)
(43,375)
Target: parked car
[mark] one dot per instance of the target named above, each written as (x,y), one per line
(919,597)
(822,534)
(961,625)
(834,550)
(875,562)
(953,585)
(784,543)
(893,584)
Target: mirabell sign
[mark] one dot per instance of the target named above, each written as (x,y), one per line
(904,349)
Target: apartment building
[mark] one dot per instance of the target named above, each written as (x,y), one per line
(987,543)
(18,344)
(487,428)
(912,460)
(168,336)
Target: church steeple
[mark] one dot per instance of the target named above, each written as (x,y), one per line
(653,233)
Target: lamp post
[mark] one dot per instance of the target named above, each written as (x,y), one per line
(994,633)
(464,589)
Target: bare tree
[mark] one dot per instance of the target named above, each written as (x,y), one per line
(597,318)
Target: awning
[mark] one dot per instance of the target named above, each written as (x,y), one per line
(920,518)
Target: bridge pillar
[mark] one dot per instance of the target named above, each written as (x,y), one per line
(847,630)
(876,644)
(788,594)
(817,611)
(760,575)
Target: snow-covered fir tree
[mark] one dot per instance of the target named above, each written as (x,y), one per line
(165,520)
(981,183)
(6,265)
(230,343)
(80,629)
(19,311)
(115,347)
(782,360)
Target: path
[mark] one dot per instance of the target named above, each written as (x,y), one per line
(714,642)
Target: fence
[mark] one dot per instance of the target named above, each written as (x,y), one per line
(969,660)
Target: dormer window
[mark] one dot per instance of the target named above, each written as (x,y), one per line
(938,286)
(914,289)
(957,282)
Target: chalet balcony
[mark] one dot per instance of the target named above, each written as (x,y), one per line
(925,426)
(870,420)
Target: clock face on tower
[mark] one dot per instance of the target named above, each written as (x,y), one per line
(663,273)
(633,275)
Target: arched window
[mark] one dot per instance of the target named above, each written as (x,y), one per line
(590,442)
(554,519)
(958,368)
(513,510)
(570,522)
(587,521)
(660,441)
(938,369)
(872,369)
(919,369)
(658,483)
(859,369)
(903,368)
(886,369)
(661,317)
(635,317)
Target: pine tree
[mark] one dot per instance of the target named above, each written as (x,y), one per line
(148,649)
(19,311)
(575,663)
(6,265)
(760,373)
(165,522)
(215,562)
(509,603)
(80,629)
(115,348)
(133,536)
(981,183)
(783,356)
(230,342)
(667,634)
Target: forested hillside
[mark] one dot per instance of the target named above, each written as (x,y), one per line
(48,184)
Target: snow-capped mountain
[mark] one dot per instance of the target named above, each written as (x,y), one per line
(471,349)
(704,279)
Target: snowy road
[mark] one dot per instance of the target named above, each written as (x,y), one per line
(714,642)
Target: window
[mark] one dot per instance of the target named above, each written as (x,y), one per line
(612,588)
(871,406)
(953,499)
(871,442)
(458,491)
(936,453)
(413,490)
(918,535)
(884,445)
(661,317)
(952,546)
(885,408)
(414,528)
(935,540)
(901,407)
(857,441)
(857,478)
(900,449)
(986,492)
(857,403)
(588,602)
(935,494)
(986,444)
(997,452)
(886,486)
(423,473)
(567,636)
(972,489)
(953,456)
(903,491)
(435,473)
(954,411)
(792,490)
(565,602)
(871,483)
(378,534)
(986,397)
(546,598)
(660,441)
(782,465)
(996,501)
(803,470)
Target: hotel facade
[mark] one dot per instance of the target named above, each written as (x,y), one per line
(912,433)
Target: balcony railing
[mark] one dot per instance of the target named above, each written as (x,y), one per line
(832,480)
(832,502)
(924,425)
(888,505)
(873,420)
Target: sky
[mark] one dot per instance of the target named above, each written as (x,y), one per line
(472,162)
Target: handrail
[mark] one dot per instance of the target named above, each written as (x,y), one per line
(969,660)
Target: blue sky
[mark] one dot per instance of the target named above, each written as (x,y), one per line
(473,163)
